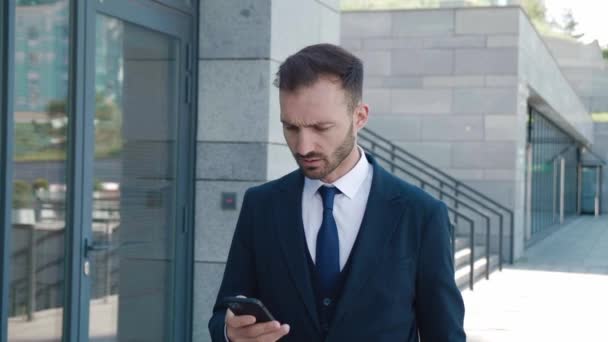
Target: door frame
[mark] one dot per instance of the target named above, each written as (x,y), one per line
(157,17)
(7,16)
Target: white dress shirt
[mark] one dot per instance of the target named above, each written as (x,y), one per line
(349,207)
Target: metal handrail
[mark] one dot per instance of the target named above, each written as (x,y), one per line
(471,242)
(457,188)
(425,184)
(429,166)
(442,193)
(456,214)
(393,166)
(427,176)
(15,284)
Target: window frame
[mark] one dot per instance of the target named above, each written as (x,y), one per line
(7,16)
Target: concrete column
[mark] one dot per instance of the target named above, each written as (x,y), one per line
(240,139)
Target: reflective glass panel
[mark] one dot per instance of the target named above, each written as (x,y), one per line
(39,186)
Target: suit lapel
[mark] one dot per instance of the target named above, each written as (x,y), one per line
(290,230)
(382,214)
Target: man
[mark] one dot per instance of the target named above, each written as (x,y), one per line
(338,250)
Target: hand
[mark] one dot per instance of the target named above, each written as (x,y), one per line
(244,329)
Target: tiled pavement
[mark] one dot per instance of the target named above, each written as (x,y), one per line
(557,292)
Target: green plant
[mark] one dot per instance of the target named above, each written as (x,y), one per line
(56,108)
(536,9)
(40,183)
(22,194)
(98,186)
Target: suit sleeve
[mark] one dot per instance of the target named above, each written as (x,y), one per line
(439,305)
(239,274)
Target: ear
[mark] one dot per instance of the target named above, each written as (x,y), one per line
(360,116)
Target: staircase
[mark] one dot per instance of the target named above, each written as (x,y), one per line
(479,224)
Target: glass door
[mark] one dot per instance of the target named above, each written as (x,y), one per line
(590,189)
(135,174)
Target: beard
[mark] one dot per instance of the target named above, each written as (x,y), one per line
(328,163)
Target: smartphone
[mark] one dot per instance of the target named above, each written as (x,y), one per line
(248,306)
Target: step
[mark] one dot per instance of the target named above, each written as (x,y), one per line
(461,242)
(462,274)
(462,256)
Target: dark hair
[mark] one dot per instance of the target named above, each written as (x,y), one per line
(305,67)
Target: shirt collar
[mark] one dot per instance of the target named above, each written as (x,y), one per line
(348,184)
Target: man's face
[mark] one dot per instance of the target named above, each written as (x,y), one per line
(319,126)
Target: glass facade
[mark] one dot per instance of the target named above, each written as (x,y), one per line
(554,173)
(36,287)
(99,243)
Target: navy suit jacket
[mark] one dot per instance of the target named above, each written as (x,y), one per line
(401,282)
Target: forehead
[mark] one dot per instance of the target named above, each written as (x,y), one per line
(321,100)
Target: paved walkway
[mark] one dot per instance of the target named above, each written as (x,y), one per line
(557,292)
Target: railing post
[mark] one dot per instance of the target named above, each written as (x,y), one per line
(598,190)
(500,233)
(487,248)
(453,234)
(108,287)
(37,208)
(601,179)
(512,238)
(456,193)
(13,310)
(441,190)
(472,261)
(31,270)
(392,158)
(562,192)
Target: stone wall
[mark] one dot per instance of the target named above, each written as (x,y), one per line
(443,84)
(549,88)
(453,86)
(585,68)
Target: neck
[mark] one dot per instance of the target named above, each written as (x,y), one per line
(345,166)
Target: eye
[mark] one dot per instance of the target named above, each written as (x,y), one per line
(322,128)
(290,127)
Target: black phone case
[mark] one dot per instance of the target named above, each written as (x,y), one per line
(248,306)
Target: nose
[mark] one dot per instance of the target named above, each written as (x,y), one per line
(305,143)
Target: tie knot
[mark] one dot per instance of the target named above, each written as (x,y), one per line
(327,194)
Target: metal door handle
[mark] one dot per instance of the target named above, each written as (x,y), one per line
(95,247)
(105,246)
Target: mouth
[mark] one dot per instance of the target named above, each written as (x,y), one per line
(310,162)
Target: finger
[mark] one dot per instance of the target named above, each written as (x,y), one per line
(260,329)
(275,335)
(234,321)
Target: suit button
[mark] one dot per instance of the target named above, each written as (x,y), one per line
(326,302)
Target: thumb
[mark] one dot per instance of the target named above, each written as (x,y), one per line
(229,314)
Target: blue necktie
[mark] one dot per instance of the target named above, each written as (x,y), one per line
(328,246)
